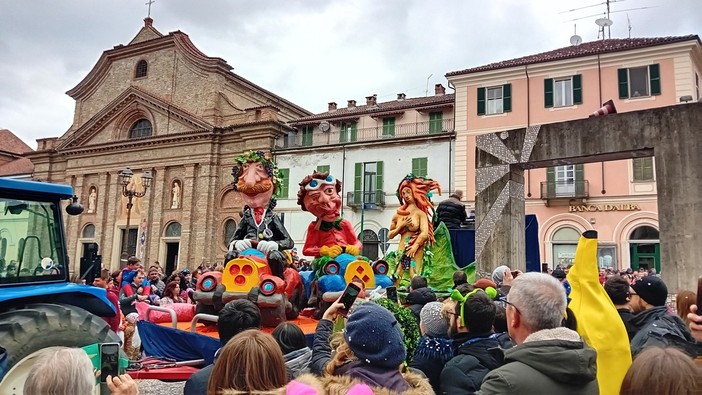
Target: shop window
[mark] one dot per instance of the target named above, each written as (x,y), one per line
(565,241)
(607,256)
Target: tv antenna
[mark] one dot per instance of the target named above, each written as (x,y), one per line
(601,21)
(628,24)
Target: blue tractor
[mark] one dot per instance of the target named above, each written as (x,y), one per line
(39,307)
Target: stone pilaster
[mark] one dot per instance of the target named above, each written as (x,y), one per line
(155,217)
(191,199)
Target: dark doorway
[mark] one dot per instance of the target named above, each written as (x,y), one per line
(90,262)
(131,245)
(370,244)
(171,257)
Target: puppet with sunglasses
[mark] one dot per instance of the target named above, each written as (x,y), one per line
(329,235)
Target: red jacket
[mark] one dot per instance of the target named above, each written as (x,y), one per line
(113,322)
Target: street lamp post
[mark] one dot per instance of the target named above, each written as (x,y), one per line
(126,178)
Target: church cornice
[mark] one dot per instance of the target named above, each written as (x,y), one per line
(154,141)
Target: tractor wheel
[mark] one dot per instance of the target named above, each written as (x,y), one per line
(25,332)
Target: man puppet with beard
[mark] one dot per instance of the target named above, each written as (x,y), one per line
(258,179)
(329,235)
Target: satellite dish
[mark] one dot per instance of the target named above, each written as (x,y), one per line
(324,126)
(576,40)
(603,22)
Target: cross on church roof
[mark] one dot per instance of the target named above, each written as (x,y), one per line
(149,4)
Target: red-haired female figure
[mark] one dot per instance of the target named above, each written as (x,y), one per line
(413,222)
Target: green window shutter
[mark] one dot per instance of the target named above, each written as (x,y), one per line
(507,97)
(389,126)
(357,182)
(623,77)
(548,92)
(307,136)
(654,76)
(580,180)
(481,101)
(419,167)
(285,183)
(550,181)
(323,169)
(436,122)
(577,89)
(379,182)
(643,169)
(354,131)
(343,133)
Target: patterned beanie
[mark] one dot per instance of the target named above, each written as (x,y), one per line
(374,336)
(434,322)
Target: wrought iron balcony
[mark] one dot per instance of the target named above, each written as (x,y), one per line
(574,189)
(367,200)
(347,135)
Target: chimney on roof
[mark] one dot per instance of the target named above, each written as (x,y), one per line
(148,21)
(439,90)
(332,106)
(371,100)
(351,104)
(401,96)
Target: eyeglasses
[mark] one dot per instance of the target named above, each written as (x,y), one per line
(512,304)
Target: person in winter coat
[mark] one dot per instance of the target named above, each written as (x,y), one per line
(451,211)
(370,354)
(419,295)
(548,359)
(292,342)
(655,326)
(474,357)
(434,348)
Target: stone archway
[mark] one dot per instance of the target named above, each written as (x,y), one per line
(670,134)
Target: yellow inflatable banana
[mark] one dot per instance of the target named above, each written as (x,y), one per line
(598,321)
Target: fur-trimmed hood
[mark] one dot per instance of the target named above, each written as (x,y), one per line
(340,385)
(306,384)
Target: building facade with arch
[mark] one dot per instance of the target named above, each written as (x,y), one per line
(159,104)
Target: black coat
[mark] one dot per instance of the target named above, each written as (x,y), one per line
(248,229)
(197,383)
(418,298)
(474,359)
(321,348)
(452,213)
(431,356)
(627,316)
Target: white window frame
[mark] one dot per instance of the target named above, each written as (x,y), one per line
(498,102)
(561,93)
(647,79)
(565,180)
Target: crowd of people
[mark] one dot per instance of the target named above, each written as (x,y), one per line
(512,332)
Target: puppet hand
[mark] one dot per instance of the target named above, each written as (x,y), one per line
(242,245)
(352,250)
(330,251)
(266,246)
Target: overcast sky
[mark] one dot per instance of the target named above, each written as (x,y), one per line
(307,51)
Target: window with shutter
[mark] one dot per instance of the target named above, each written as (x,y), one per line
(357,183)
(347,132)
(389,127)
(285,183)
(548,92)
(379,183)
(419,167)
(577,89)
(307,137)
(623,78)
(481,101)
(562,92)
(436,122)
(494,102)
(507,97)
(654,74)
(643,169)
(639,82)
(323,169)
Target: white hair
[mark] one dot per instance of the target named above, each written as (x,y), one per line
(61,371)
(540,299)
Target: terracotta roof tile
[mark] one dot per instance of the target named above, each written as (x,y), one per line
(584,49)
(12,144)
(394,106)
(18,166)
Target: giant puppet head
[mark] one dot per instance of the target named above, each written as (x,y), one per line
(257,178)
(319,194)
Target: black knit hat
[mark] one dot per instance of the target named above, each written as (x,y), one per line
(652,290)
(374,336)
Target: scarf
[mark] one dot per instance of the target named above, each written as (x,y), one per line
(327,226)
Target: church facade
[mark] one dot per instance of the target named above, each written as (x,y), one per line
(158,105)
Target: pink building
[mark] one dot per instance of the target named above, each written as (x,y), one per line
(616,198)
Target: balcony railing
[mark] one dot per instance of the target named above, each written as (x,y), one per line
(368,200)
(338,136)
(575,189)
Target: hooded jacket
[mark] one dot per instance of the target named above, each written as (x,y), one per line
(551,361)
(297,362)
(464,373)
(418,298)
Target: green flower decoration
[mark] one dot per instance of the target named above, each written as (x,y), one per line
(408,324)
(268,164)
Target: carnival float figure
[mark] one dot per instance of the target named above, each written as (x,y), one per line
(256,266)
(333,242)
(413,222)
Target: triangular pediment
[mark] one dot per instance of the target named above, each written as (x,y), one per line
(107,125)
(148,32)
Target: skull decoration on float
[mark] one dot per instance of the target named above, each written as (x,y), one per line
(413,222)
(256,267)
(333,242)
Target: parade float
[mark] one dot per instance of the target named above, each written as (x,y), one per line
(256,267)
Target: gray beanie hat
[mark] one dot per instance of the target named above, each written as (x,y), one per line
(434,322)
(498,273)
